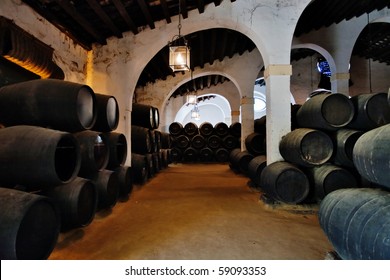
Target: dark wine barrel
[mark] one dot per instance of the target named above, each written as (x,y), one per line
(156,117)
(372,111)
(294,111)
(255,144)
(153,143)
(29,225)
(371,155)
(182,142)
(326,111)
(176,155)
(141,143)
(77,201)
(206,155)
(214,142)
(175,128)
(328,177)
(190,155)
(198,142)
(94,150)
(50,103)
(140,168)
(255,168)
(191,129)
(143,115)
(165,158)
(344,140)
(285,182)
(156,161)
(36,156)
(125,180)
(235,129)
(117,145)
(206,129)
(166,140)
(107,186)
(221,129)
(221,155)
(239,160)
(230,142)
(157,137)
(151,168)
(306,147)
(356,222)
(107,116)
(260,125)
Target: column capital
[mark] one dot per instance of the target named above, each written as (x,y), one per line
(278,70)
(235,113)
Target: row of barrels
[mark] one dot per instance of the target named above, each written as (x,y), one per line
(60,163)
(203,143)
(321,159)
(150,151)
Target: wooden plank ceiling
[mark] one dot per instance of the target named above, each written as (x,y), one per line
(93,21)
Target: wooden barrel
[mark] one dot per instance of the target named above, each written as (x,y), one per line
(190,155)
(326,111)
(198,142)
(221,155)
(140,168)
(57,104)
(221,129)
(29,225)
(36,156)
(294,111)
(230,142)
(191,129)
(117,145)
(156,117)
(328,177)
(255,168)
(143,115)
(206,129)
(94,151)
(344,141)
(141,142)
(306,147)
(372,111)
(151,168)
(166,140)
(182,142)
(214,142)
(107,116)
(125,180)
(175,129)
(107,186)
(239,160)
(206,155)
(235,129)
(371,155)
(77,201)
(259,125)
(176,154)
(255,143)
(285,182)
(356,222)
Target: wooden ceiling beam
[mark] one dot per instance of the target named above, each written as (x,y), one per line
(145,10)
(124,14)
(165,9)
(104,17)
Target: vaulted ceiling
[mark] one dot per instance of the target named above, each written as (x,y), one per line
(93,21)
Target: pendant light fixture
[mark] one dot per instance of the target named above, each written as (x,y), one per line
(179,52)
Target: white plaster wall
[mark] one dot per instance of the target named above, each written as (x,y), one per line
(71,58)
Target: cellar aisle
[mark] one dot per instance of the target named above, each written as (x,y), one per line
(195,211)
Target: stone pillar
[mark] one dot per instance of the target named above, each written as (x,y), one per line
(277,78)
(247,118)
(340,83)
(235,116)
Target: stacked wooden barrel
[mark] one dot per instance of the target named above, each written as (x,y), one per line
(61,162)
(150,148)
(206,143)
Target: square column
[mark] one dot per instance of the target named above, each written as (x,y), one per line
(277,80)
(247,119)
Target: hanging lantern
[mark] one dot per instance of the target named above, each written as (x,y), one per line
(192,99)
